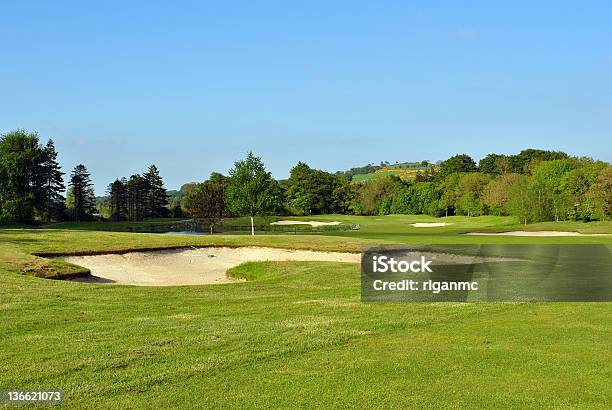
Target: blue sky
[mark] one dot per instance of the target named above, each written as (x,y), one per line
(193,86)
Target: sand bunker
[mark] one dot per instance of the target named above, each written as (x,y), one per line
(430,224)
(311,223)
(202,266)
(536,233)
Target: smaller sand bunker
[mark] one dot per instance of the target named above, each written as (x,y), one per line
(311,223)
(203,266)
(536,233)
(430,224)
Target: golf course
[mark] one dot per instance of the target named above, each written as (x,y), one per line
(306,205)
(291,333)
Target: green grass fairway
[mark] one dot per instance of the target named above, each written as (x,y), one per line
(295,334)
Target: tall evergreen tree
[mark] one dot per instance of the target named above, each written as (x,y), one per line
(137,189)
(20,156)
(156,196)
(51,183)
(117,192)
(82,190)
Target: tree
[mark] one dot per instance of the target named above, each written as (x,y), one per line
(521,201)
(185,189)
(343,195)
(20,165)
(174,204)
(206,202)
(156,195)
(137,197)
(300,195)
(51,183)
(458,163)
(367,169)
(142,196)
(497,193)
(372,193)
(522,162)
(578,185)
(598,199)
(419,198)
(470,192)
(469,204)
(463,193)
(82,192)
(487,164)
(450,194)
(547,186)
(447,202)
(252,190)
(218,177)
(117,192)
(312,191)
(495,164)
(176,211)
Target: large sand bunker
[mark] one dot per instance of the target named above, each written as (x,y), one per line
(430,224)
(311,223)
(201,266)
(536,233)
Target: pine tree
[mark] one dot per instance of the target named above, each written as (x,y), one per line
(82,190)
(52,183)
(137,189)
(118,200)
(156,196)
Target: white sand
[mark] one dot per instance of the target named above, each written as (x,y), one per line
(430,224)
(536,233)
(189,267)
(311,223)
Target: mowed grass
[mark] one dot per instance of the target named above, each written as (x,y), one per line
(398,229)
(295,334)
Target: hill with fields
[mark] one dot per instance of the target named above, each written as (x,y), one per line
(403,170)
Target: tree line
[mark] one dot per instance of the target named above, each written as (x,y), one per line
(137,198)
(533,186)
(31,180)
(249,190)
(32,187)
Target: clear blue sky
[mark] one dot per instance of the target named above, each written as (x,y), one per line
(193,86)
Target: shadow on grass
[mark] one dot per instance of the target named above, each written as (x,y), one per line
(92,279)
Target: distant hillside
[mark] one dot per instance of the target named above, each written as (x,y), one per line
(404,170)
